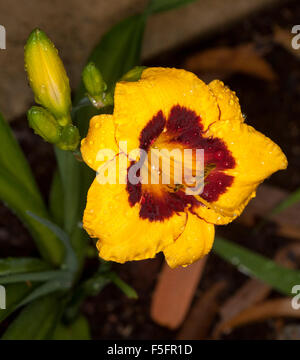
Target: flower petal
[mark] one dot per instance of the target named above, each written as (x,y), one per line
(195,242)
(256,157)
(227,100)
(160,89)
(101,135)
(123,235)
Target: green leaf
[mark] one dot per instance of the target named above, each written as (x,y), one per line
(10,266)
(69,170)
(258,266)
(77,330)
(90,287)
(70,261)
(56,280)
(12,160)
(74,190)
(127,290)
(15,293)
(56,200)
(156,6)
(56,285)
(37,321)
(20,201)
(94,285)
(283,205)
(292,199)
(31,276)
(19,192)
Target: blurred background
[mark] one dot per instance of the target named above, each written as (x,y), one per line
(245,43)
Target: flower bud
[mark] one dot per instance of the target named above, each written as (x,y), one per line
(134,74)
(47,76)
(96,86)
(69,138)
(93,80)
(44,124)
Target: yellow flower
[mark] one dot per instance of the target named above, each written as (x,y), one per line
(47,76)
(170,108)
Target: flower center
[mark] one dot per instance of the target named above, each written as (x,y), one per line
(179,158)
(175,167)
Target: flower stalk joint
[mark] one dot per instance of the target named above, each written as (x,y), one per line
(69,138)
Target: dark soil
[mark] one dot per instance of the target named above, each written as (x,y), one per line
(273,109)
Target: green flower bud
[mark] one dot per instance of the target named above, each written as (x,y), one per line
(69,138)
(96,87)
(93,80)
(44,124)
(47,76)
(134,74)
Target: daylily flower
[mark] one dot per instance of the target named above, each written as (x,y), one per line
(170,108)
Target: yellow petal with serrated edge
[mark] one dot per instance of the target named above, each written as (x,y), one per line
(194,243)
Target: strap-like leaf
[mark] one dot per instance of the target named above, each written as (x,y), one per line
(12,160)
(73,200)
(19,192)
(56,200)
(69,170)
(70,261)
(127,290)
(77,330)
(12,266)
(50,287)
(37,321)
(15,293)
(31,276)
(292,199)
(20,201)
(258,266)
